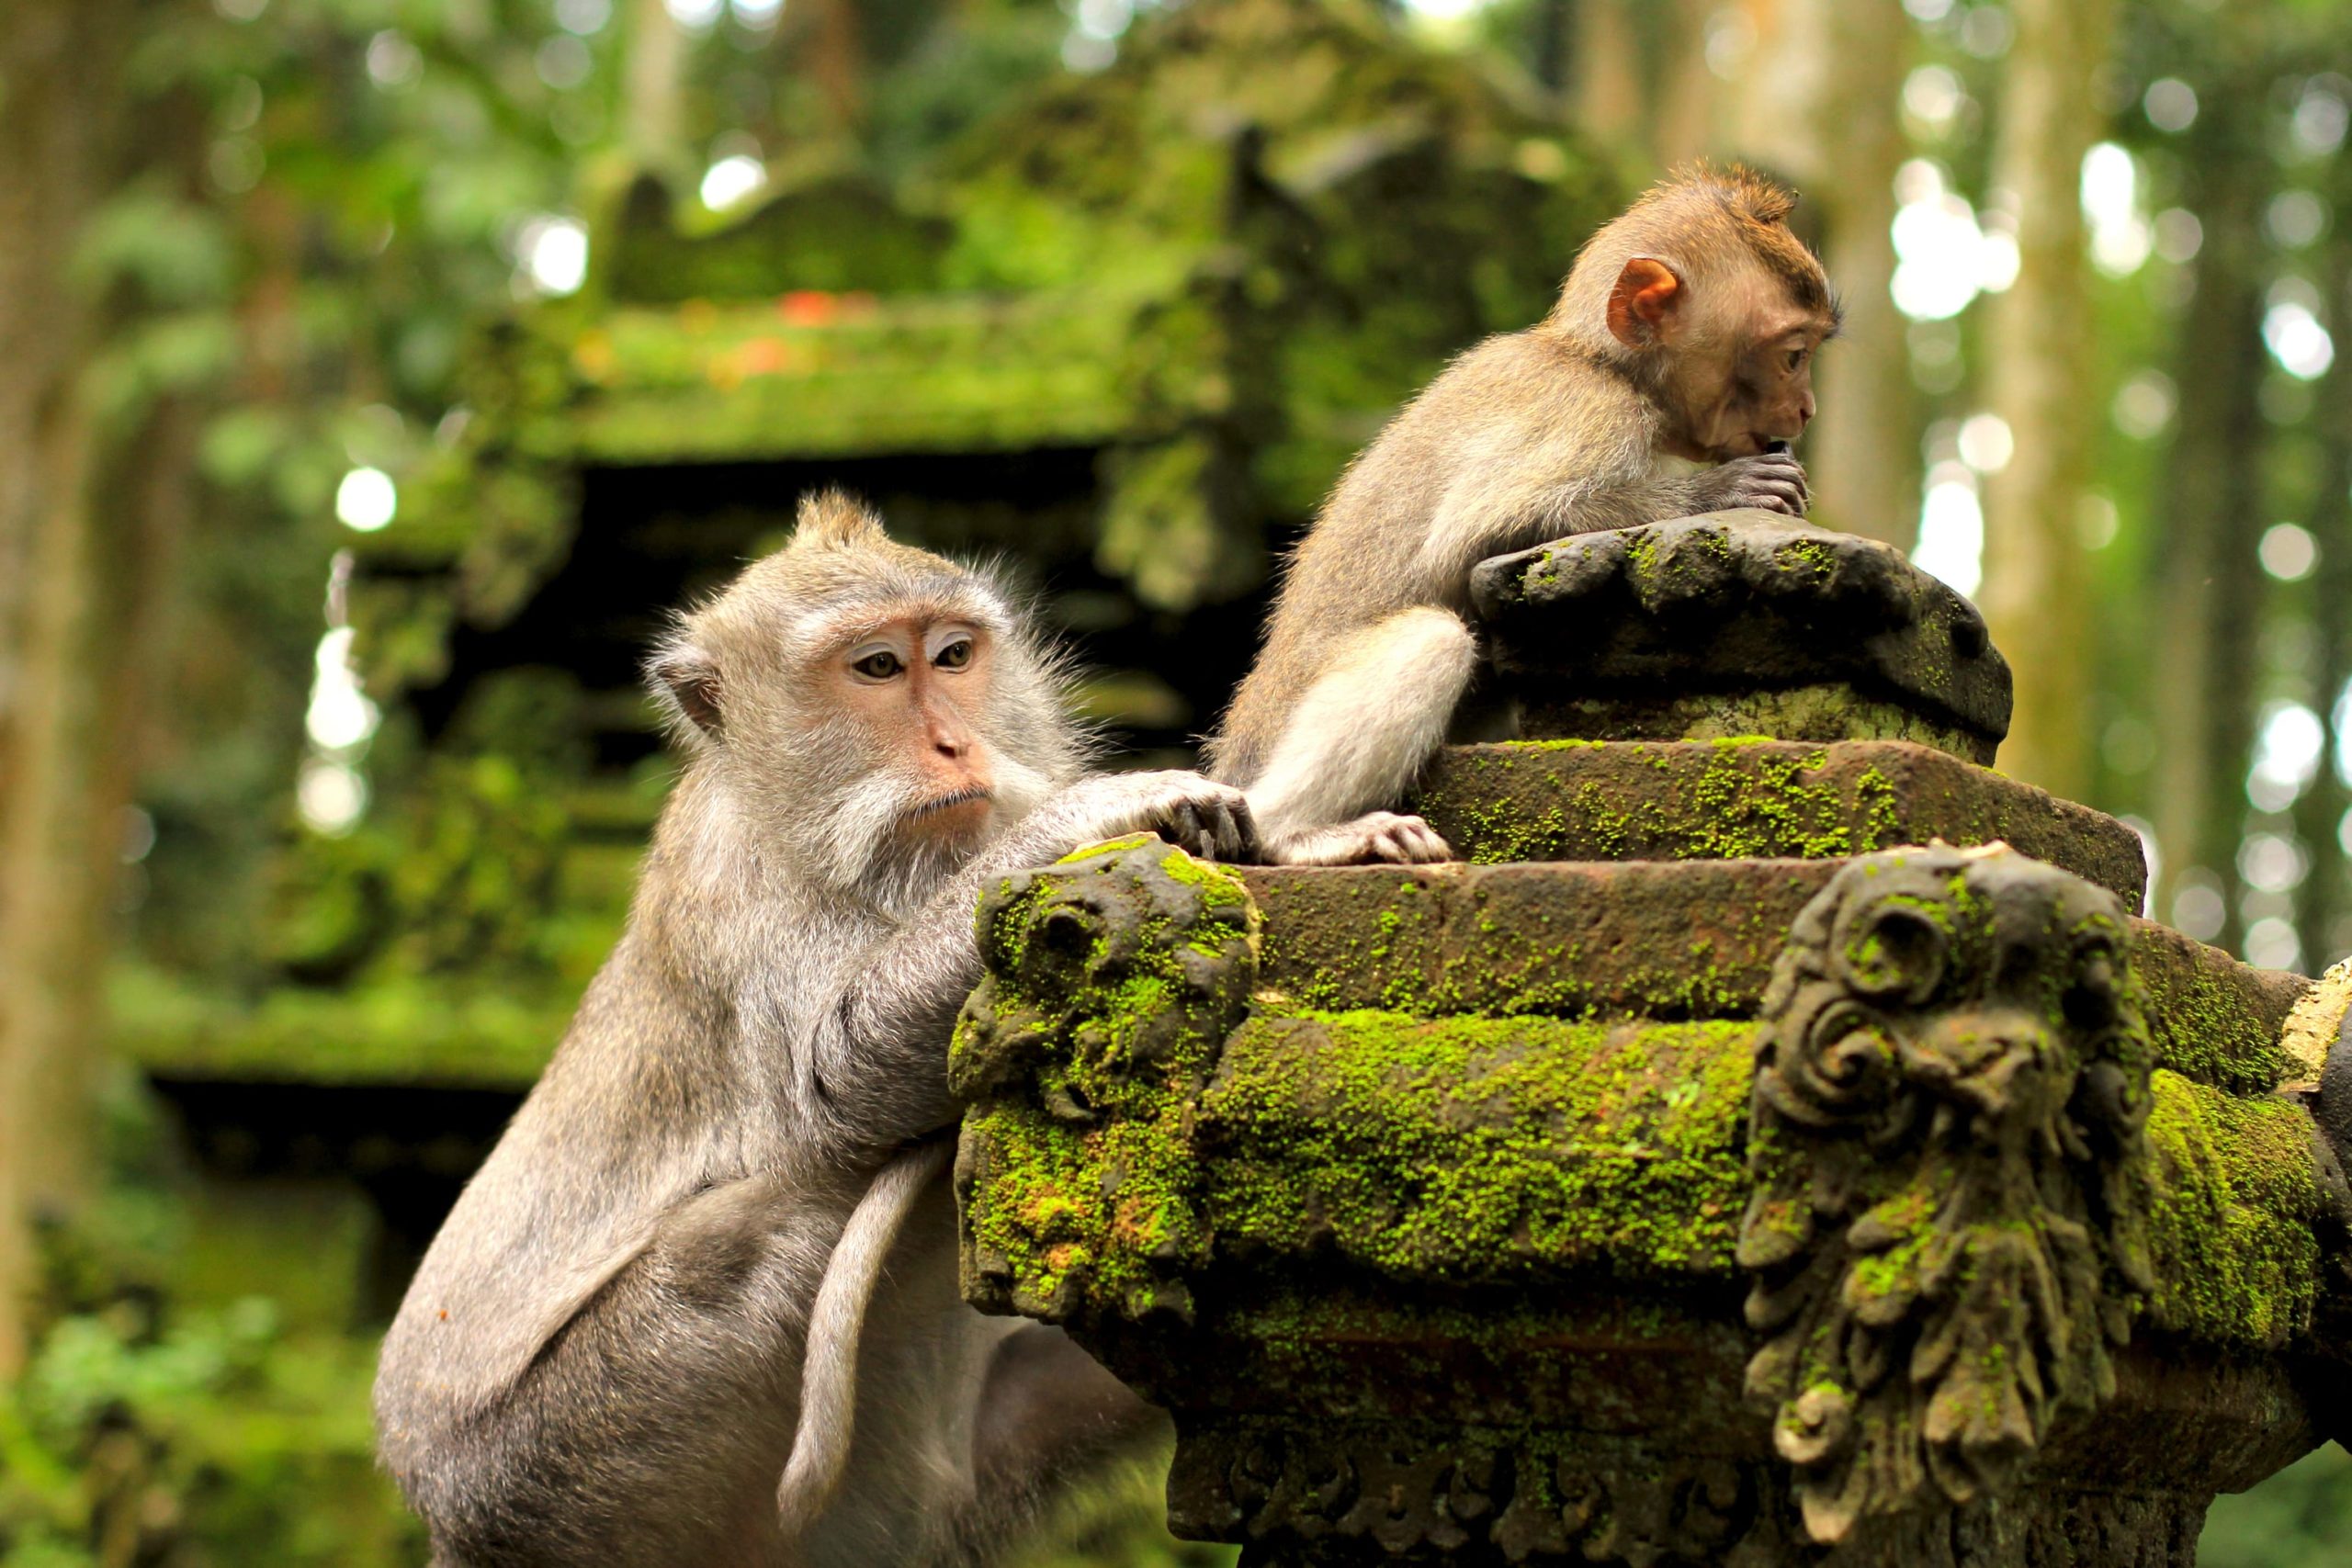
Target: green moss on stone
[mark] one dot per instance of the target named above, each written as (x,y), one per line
(1079,1174)
(1817,713)
(2232,1198)
(2213,1019)
(1468,1147)
(1739,804)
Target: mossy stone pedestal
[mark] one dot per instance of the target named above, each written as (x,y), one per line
(1705,1172)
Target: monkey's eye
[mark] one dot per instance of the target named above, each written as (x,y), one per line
(879,665)
(956,655)
(1796,360)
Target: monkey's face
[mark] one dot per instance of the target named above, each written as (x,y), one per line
(919,689)
(1731,358)
(1757,387)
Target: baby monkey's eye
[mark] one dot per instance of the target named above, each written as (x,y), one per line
(956,655)
(878,666)
(1796,360)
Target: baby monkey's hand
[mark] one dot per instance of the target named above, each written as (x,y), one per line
(1773,479)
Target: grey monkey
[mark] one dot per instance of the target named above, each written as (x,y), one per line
(657,1327)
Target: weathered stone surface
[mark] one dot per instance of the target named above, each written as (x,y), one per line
(1709,800)
(1836,712)
(1665,939)
(1949,1121)
(1736,602)
(2213,1019)
(1664,1478)
(1113,978)
(1662,940)
(1422,1197)
(1467,1150)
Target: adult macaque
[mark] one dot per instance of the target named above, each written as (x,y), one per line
(1685,331)
(607,1350)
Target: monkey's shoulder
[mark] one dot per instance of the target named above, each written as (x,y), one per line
(1537,381)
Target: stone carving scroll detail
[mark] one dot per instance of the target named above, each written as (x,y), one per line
(1947,1233)
(1110,980)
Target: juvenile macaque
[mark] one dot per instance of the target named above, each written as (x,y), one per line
(1685,332)
(638,1338)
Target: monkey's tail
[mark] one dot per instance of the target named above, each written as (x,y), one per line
(828,1364)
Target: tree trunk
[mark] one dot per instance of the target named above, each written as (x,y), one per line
(2209,583)
(2325,897)
(837,65)
(2041,379)
(653,127)
(1819,103)
(1611,99)
(1686,120)
(62,782)
(1554,45)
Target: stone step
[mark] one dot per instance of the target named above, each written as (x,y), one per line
(1688,800)
(1662,940)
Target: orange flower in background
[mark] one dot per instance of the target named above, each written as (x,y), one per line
(808,308)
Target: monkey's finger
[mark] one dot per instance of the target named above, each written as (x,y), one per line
(1245,830)
(1185,829)
(1214,840)
(1216,831)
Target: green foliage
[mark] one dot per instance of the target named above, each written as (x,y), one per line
(2300,1518)
(186,1440)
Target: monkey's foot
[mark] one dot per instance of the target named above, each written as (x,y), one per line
(1376,838)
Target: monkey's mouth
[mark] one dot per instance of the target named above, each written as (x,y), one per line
(947,803)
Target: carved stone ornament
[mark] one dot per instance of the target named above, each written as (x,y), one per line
(1947,1233)
(1420,1493)
(1113,978)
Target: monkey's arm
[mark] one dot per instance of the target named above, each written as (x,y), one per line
(1513,511)
(869,1068)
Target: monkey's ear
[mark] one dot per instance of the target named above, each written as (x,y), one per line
(1644,302)
(686,681)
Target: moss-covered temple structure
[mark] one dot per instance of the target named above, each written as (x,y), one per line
(1779,1144)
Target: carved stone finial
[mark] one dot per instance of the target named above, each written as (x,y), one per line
(1947,1141)
(1113,978)
(1740,623)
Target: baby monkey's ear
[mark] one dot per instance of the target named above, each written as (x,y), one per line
(685,683)
(1643,305)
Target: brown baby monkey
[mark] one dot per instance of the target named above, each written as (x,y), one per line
(658,1328)
(1684,335)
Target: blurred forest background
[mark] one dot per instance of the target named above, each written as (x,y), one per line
(373,373)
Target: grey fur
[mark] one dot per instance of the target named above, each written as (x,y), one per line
(601,1359)
(828,1364)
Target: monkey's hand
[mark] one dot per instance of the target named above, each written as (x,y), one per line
(1771,480)
(1196,815)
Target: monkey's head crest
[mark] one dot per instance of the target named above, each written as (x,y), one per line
(832,519)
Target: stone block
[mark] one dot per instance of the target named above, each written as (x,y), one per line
(1572,800)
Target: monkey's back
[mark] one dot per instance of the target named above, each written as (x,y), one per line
(1509,419)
